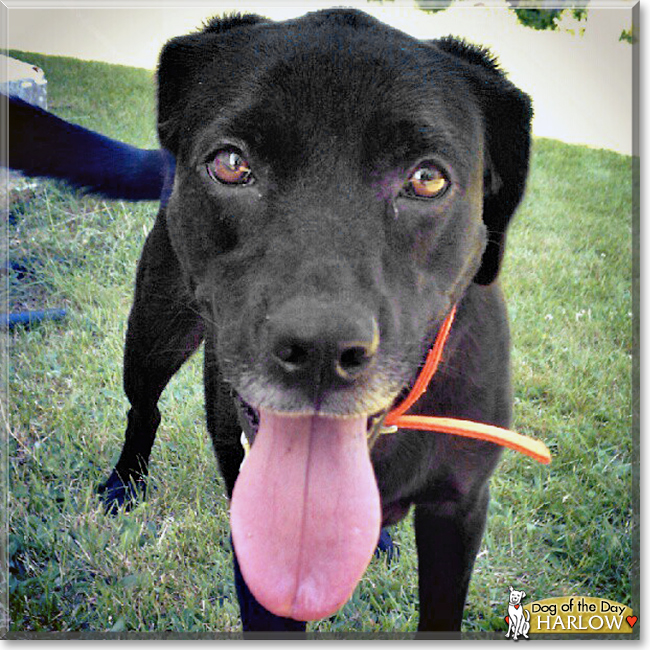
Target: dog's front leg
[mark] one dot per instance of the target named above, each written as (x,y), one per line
(256,618)
(164,329)
(447,544)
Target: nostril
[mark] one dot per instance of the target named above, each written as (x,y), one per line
(354,359)
(292,356)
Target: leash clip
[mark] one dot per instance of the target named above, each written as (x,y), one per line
(378,428)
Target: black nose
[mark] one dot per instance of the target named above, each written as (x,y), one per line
(322,344)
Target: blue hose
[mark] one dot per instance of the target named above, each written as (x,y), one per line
(28,318)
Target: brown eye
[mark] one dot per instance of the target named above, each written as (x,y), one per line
(427,182)
(229,167)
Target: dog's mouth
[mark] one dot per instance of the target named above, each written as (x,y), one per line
(305,510)
(250,420)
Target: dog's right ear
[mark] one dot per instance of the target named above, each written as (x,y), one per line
(181,61)
(507,114)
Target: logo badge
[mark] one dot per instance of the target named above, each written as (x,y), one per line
(566,615)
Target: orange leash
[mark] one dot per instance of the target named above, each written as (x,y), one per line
(467,428)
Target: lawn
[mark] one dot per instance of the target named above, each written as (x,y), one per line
(570,528)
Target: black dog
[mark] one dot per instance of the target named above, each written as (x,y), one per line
(339,186)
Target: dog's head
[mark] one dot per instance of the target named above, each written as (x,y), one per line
(335,175)
(338,187)
(516,596)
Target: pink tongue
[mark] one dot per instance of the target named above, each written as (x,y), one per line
(305,513)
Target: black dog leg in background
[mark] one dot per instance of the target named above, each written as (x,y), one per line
(254,617)
(164,330)
(41,144)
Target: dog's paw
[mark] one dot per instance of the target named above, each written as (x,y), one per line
(117,494)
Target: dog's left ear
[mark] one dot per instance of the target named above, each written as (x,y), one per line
(507,114)
(182,61)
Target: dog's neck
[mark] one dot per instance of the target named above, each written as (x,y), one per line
(397,419)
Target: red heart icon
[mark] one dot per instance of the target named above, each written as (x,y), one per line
(507,619)
(631,620)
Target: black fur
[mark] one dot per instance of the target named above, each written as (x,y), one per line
(333,112)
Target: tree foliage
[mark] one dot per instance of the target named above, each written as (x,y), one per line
(529,12)
(545,18)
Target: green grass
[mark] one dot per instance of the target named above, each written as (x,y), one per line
(567,529)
